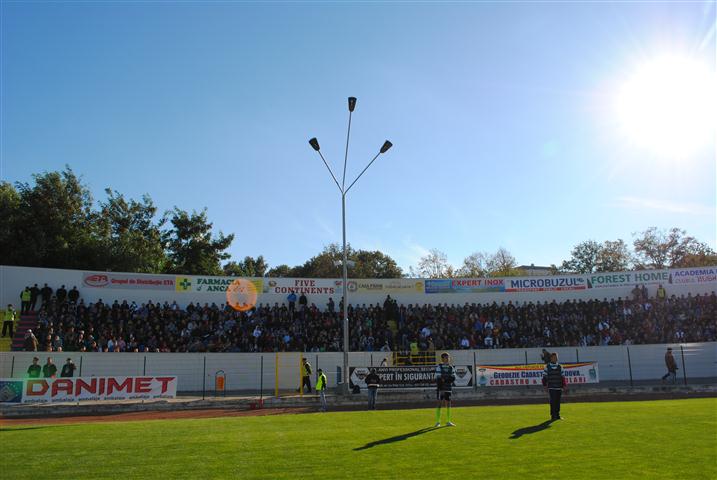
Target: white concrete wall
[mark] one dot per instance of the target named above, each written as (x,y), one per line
(243,369)
(14,279)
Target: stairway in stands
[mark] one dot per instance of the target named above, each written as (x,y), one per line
(29,320)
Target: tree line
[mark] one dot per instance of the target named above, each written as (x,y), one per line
(55,222)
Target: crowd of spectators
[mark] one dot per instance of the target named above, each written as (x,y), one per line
(65,325)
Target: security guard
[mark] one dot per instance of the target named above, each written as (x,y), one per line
(9,318)
(554,381)
(321,388)
(445,377)
(25,298)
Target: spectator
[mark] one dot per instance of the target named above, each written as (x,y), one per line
(68,369)
(73,295)
(46,294)
(30,342)
(34,370)
(9,319)
(34,293)
(61,295)
(291,298)
(49,370)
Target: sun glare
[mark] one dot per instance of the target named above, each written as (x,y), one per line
(668,105)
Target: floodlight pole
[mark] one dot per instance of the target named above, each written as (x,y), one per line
(344,264)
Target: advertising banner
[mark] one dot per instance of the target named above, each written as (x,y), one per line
(308,286)
(465,285)
(386,286)
(49,390)
(128,281)
(10,390)
(628,279)
(212,284)
(532,374)
(545,284)
(693,275)
(409,377)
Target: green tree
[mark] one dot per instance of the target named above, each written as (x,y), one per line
(132,237)
(10,214)
(280,271)
(474,266)
(590,256)
(502,264)
(583,258)
(249,267)
(655,248)
(614,256)
(367,264)
(374,264)
(433,265)
(56,226)
(191,247)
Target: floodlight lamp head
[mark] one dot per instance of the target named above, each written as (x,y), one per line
(386,146)
(352,104)
(314,144)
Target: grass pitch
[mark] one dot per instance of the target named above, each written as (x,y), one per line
(655,439)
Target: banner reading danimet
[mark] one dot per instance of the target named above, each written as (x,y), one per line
(48,390)
(532,374)
(409,377)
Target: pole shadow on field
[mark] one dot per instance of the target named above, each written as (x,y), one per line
(528,430)
(397,438)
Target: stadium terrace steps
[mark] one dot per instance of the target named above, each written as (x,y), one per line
(27,321)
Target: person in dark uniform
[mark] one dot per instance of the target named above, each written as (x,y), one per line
(34,293)
(34,370)
(61,294)
(73,295)
(545,356)
(372,382)
(49,370)
(46,294)
(445,377)
(68,369)
(305,376)
(554,381)
(671,365)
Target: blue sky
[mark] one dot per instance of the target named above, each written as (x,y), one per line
(501,115)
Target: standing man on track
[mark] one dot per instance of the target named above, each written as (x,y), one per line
(445,377)
(305,376)
(372,382)
(671,365)
(321,388)
(554,381)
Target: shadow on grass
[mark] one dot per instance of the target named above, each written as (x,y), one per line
(528,430)
(397,438)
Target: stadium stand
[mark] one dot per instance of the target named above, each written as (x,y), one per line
(121,326)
